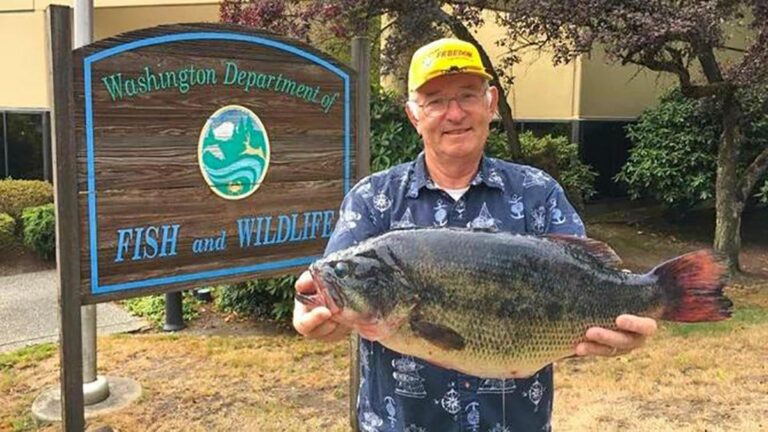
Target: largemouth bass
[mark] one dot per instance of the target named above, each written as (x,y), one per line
(502,305)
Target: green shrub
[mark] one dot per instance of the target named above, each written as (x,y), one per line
(266,298)
(674,154)
(557,156)
(40,230)
(7,230)
(16,195)
(152,308)
(393,139)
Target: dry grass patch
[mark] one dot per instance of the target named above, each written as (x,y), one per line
(194,383)
(691,377)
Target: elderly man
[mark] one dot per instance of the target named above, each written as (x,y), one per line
(452,184)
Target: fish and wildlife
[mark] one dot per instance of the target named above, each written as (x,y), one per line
(502,305)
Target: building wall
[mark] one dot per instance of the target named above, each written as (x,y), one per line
(544,92)
(112,21)
(23,38)
(24,77)
(614,92)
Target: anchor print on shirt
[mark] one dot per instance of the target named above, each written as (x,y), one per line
(535,393)
(484,220)
(534,177)
(389,402)
(408,382)
(441,214)
(473,416)
(539,216)
(405,222)
(497,386)
(556,216)
(517,208)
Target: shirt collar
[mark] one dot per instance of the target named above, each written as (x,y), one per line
(487,174)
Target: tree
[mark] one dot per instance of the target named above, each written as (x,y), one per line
(689,40)
(411,23)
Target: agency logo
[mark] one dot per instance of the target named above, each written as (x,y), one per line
(233,152)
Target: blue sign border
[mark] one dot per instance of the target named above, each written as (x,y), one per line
(88,62)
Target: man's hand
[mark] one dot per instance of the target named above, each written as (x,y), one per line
(632,333)
(315,323)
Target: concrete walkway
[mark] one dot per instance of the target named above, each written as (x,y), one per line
(29,316)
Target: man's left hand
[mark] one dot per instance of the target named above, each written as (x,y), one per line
(631,334)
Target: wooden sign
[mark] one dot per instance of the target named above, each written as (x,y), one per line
(205,154)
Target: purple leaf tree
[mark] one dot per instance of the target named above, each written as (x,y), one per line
(691,40)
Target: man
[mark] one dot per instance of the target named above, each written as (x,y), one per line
(453,184)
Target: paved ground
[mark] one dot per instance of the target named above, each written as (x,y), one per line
(28,311)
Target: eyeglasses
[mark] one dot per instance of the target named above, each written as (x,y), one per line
(468,100)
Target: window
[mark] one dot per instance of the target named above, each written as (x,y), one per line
(24,145)
(605,146)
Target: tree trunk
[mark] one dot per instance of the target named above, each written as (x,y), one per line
(729,202)
(505,111)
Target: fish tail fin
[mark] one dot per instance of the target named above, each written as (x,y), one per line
(693,288)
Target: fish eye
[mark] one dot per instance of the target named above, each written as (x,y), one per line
(341,269)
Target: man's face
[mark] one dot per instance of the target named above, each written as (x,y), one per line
(452,115)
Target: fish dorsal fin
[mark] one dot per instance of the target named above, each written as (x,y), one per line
(601,251)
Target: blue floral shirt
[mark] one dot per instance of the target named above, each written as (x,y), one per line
(403,393)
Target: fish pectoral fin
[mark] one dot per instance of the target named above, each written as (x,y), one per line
(596,248)
(439,335)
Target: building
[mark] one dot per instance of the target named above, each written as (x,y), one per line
(588,100)
(24,86)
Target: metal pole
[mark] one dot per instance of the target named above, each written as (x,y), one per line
(174,318)
(5,145)
(96,388)
(47,173)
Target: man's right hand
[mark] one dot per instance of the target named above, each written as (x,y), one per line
(315,322)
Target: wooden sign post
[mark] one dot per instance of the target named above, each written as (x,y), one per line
(190,155)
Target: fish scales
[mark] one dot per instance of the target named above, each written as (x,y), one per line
(490,304)
(502,316)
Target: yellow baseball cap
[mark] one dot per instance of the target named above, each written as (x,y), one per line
(442,57)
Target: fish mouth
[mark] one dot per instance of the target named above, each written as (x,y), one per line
(327,294)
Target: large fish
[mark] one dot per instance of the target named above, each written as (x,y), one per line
(502,305)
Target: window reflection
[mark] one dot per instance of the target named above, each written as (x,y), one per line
(22,145)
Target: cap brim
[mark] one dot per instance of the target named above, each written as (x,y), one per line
(436,74)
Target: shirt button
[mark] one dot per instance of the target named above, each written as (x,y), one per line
(467,384)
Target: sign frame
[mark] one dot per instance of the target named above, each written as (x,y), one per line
(98,290)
